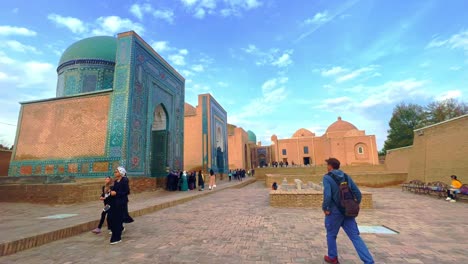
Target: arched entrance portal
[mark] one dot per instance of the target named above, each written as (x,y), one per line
(159,142)
(219,150)
(262,160)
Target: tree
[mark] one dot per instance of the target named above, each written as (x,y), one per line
(405,119)
(440,111)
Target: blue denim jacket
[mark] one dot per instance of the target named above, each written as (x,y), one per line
(331,194)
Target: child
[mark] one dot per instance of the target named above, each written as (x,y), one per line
(105,197)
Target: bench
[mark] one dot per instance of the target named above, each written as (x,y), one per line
(437,188)
(463,195)
(415,186)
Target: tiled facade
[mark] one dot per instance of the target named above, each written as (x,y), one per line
(206,141)
(89,134)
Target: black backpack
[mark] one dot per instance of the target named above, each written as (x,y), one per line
(348,204)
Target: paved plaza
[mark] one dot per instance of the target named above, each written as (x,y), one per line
(238,226)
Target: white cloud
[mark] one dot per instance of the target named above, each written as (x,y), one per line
(274,56)
(343,74)
(456,41)
(183,51)
(354,74)
(318,18)
(165,14)
(273,93)
(160,46)
(449,95)
(3,76)
(189,3)
(73,24)
(20,31)
(200,13)
(139,10)
(222,84)
(177,59)
(112,25)
(186,73)
(455,68)
(283,61)
(388,93)
(321,19)
(225,8)
(18,46)
(333,71)
(109,25)
(198,68)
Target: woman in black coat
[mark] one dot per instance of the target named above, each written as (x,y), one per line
(118,201)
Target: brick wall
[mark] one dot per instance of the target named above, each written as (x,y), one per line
(308,199)
(440,151)
(66,193)
(398,160)
(351,170)
(5,156)
(361,179)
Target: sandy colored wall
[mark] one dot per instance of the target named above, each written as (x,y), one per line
(81,123)
(441,151)
(398,160)
(366,179)
(5,156)
(193,141)
(237,142)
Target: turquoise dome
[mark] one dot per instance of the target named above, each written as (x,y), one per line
(101,48)
(252,137)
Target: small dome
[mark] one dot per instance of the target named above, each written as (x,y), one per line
(340,125)
(189,110)
(101,48)
(303,133)
(252,137)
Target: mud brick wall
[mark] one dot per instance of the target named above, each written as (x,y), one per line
(66,193)
(308,199)
(5,157)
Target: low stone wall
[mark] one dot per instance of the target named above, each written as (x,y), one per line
(66,193)
(260,173)
(308,199)
(377,179)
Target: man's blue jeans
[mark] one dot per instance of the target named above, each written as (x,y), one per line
(333,222)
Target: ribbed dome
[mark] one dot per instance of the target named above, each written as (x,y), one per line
(340,125)
(303,133)
(252,137)
(101,48)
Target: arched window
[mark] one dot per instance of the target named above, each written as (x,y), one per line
(360,150)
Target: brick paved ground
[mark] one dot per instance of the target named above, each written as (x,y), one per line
(238,226)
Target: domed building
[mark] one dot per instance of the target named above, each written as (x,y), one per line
(341,140)
(118,102)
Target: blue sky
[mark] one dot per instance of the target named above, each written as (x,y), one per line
(275,66)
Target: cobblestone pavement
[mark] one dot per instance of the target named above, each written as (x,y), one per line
(238,226)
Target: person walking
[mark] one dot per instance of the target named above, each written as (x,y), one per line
(127,218)
(184,184)
(119,198)
(105,197)
(201,181)
(335,218)
(212,180)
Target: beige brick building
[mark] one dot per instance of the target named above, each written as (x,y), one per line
(341,140)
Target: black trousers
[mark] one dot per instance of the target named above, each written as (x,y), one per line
(103,216)
(116,217)
(127,218)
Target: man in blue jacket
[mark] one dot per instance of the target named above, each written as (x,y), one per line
(334,218)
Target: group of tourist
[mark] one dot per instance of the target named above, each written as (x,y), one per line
(115,197)
(238,174)
(185,181)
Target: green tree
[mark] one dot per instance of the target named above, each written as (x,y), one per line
(405,119)
(440,111)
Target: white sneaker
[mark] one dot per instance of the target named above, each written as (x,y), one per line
(453,201)
(448,199)
(209,187)
(115,242)
(214,186)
